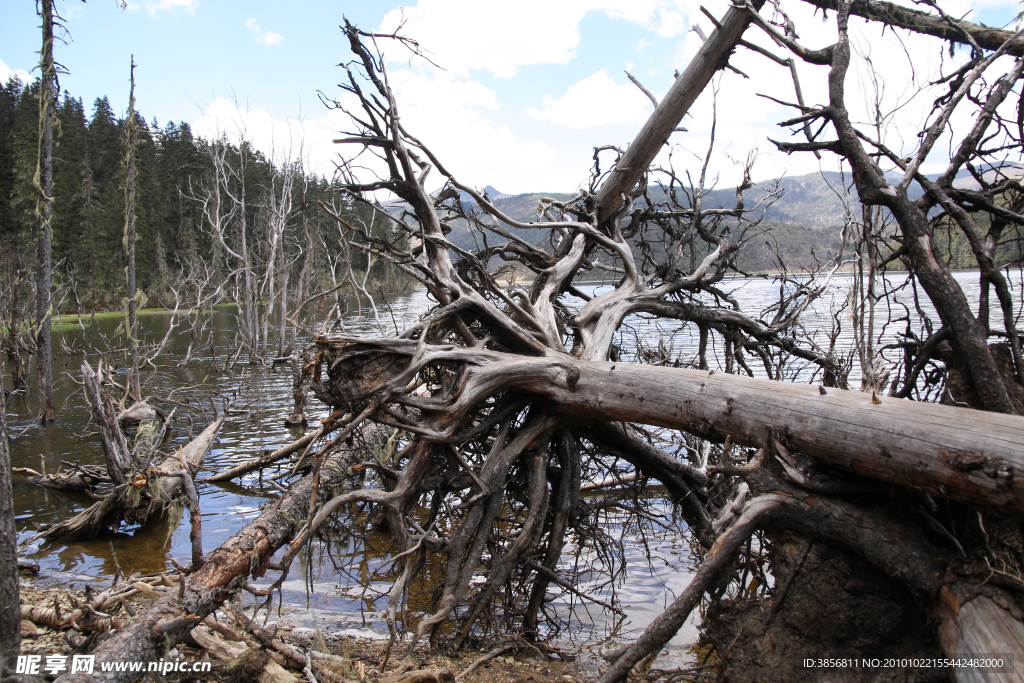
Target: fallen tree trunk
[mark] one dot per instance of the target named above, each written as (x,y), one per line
(246,553)
(969,455)
(76,479)
(960,453)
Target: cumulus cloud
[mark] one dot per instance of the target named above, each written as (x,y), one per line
(469,144)
(270,38)
(6,73)
(264,37)
(479,136)
(307,139)
(464,134)
(467,35)
(595,101)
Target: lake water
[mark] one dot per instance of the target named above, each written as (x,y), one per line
(346,590)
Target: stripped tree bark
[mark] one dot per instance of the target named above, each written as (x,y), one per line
(131,321)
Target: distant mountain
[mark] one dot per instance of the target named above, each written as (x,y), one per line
(805,221)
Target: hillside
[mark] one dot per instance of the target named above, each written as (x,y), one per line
(803,226)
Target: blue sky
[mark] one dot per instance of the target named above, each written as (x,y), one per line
(528,87)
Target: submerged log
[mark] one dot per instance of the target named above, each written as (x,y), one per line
(78,478)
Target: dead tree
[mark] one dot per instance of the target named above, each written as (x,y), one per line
(222,199)
(502,397)
(10,619)
(247,553)
(131,322)
(499,390)
(42,182)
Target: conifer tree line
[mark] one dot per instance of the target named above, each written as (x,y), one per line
(292,246)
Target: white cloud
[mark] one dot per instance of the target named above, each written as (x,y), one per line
(476,134)
(270,38)
(500,37)
(595,101)
(307,138)
(477,150)
(264,37)
(467,139)
(7,72)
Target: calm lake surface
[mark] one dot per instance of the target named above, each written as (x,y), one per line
(343,594)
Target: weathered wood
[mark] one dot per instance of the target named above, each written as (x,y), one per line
(115,446)
(169,485)
(661,630)
(969,455)
(228,651)
(10,632)
(917,21)
(424,676)
(684,92)
(981,628)
(43,184)
(190,457)
(81,479)
(227,567)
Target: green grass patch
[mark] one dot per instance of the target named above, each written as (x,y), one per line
(69,321)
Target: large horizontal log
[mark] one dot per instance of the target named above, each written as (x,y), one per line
(966,454)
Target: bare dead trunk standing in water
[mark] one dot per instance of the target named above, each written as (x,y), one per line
(131,140)
(43,183)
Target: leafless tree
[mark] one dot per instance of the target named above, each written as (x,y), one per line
(500,386)
(42,181)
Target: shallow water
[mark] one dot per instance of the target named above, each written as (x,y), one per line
(349,599)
